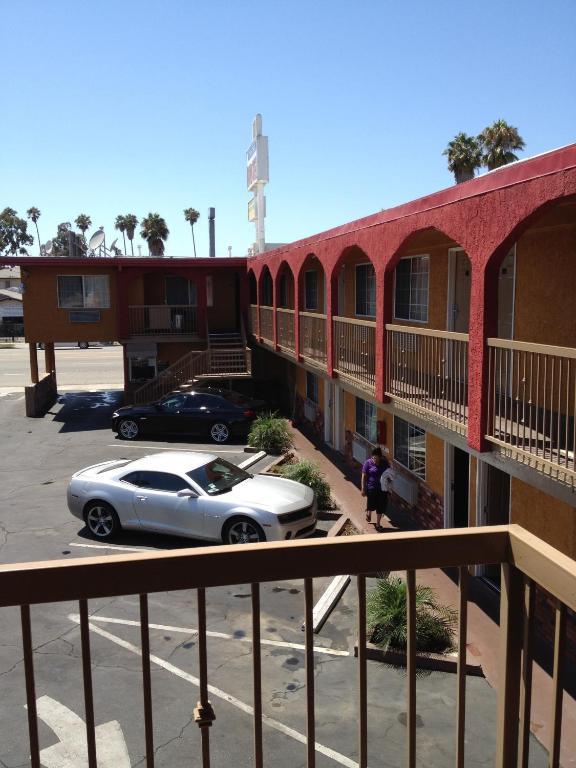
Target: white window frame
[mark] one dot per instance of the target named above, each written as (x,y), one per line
(106,305)
(420,474)
(425,256)
(362,432)
(356,312)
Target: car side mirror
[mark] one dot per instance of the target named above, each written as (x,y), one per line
(187,493)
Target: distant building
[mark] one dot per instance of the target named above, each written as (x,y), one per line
(10,278)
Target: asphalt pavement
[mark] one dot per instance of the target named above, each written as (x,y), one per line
(38,457)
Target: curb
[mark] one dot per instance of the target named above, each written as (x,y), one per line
(434,662)
(254,459)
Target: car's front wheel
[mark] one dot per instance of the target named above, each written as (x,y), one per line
(83,344)
(128,429)
(101,520)
(242,530)
(220,432)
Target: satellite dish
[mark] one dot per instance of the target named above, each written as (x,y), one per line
(96,240)
(48,247)
(113,244)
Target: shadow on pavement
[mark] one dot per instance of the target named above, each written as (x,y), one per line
(86,411)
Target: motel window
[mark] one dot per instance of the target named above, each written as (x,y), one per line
(266,297)
(283,291)
(83,292)
(366,420)
(410,447)
(311,290)
(365,290)
(411,292)
(312,387)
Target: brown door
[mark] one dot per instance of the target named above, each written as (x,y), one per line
(496,509)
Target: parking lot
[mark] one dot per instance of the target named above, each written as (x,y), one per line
(38,457)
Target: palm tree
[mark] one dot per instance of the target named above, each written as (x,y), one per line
(130,223)
(83,222)
(464,155)
(191,215)
(120,225)
(499,141)
(154,231)
(34,214)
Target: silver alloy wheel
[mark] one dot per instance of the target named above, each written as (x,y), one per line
(244,532)
(219,432)
(100,520)
(128,429)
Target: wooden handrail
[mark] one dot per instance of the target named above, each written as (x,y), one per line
(355,321)
(527,346)
(285,309)
(428,332)
(313,314)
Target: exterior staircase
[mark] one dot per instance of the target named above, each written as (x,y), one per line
(226,355)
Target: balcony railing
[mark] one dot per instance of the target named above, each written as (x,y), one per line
(253,319)
(427,373)
(355,351)
(162,320)
(313,337)
(532,404)
(285,330)
(267,324)
(526,563)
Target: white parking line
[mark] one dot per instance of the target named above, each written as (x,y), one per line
(171,448)
(115,546)
(249,710)
(222,635)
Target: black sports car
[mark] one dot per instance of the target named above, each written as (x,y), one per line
(217,413)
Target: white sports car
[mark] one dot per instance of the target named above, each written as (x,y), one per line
(190,494)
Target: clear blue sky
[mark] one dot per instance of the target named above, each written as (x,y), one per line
(139,106)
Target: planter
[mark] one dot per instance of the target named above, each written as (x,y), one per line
(436,662)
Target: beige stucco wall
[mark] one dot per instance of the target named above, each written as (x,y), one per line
(546,517)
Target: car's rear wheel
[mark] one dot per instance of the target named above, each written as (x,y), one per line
(128,429)
(101,520)
(83,344)
(220,432)
(242,530)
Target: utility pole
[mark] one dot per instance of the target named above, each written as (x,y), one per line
(211,232)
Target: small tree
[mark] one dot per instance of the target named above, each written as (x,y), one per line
(270,433)
(464,155)
(131,222)
(120,225)
(191,215)
(13,233)
(34,214)
(309,473)
(61,243)
(499,141)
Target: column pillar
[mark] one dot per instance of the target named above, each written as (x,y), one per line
(331,308)
(384,284)
(33,350)
(50,360)
(297,301)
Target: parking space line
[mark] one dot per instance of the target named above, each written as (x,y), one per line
(222,635)
(115,546)
(171,448)
(247,708)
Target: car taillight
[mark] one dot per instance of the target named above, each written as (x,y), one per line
(249,414)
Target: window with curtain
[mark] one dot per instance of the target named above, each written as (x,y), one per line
(411,291)
(83,291)
(410,447)
(365,290)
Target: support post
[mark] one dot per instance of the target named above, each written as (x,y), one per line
(33,362)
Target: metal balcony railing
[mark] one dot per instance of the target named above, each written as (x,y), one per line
(526,563)
(162,320)
(285,330)
(253,320)
(532,405)
(355,351)
(427,373)
(313,337)
(267,324)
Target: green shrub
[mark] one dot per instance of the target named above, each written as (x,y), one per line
(308,473)
(386,615)
(270,433)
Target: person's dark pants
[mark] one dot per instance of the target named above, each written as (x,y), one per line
(376,501)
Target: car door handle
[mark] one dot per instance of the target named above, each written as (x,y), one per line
(141,498)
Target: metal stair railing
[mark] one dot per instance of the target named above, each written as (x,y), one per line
(183,370)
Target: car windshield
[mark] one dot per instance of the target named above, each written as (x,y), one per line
(218,476)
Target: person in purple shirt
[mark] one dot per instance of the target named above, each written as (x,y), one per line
(372,470)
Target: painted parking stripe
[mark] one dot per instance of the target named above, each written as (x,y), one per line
(171,448)
(222,635)
(115,546)
(249,710)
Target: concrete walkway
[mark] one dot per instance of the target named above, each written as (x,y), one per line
(483,630)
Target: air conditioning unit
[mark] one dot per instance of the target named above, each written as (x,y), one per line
(360,451)
(406,488)
(310,411)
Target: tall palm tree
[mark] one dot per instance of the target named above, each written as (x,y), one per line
(83,222)
(499,141)
(34,214)
(154,231)
(464,155)
(130,222)
(120,225)
(191,215)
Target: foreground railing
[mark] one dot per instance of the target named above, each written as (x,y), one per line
(526,562)
(313,337)
(267,324)
(428,371)
(162,320)
(355,351)
(285,329)
(532,404)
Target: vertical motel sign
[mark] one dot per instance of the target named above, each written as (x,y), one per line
(256,179)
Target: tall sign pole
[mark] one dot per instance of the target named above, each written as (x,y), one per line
(256,179)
